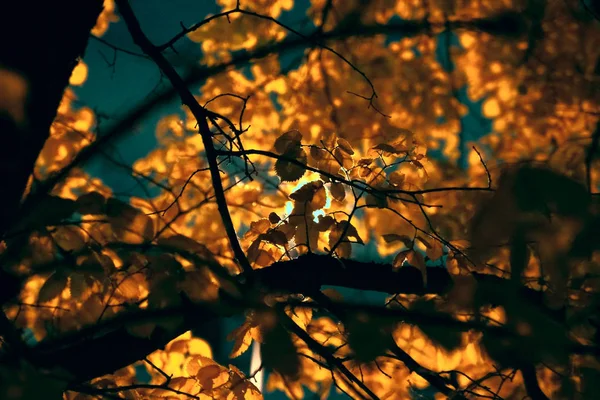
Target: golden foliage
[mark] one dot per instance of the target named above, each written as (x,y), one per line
(368,149)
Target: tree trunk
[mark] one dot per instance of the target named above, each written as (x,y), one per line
(41,42)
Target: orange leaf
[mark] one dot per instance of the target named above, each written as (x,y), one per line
(53,287)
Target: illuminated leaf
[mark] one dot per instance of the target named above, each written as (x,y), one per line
(400,258)
(288,142)
(264,258)
(242,337)
(289,171)
(300,315)
(257,228)
(206,376)
(343,158)
(197,362)
(53,287)
(312,192)
(200,347)
(129,224)
(436,250)
(276,236)
(392,237)
(338,191)
(345,146)
(69,238)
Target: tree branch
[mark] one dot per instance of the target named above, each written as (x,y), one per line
(201,116)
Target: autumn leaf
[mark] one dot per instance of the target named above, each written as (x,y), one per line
(392,237)
(91,203)
(345,146)
(260,157)
(274,218)
(338,191)
(388,148)
(288,142)
(129,224)
(313,194)
(289,171)
(242,337)
(53,287)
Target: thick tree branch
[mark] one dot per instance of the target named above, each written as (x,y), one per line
(41,42)
(82,353)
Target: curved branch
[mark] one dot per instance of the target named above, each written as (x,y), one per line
(201,116)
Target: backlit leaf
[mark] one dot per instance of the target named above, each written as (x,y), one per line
(345,146)
(288,142)
(289,171)
(393,237)
(338,191)
(53,287)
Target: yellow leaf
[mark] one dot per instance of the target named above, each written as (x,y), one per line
(257,228)
(199,347)
(243,340)
(79,74)
(197,362)
(128,286)
(207,376)
(491,108)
